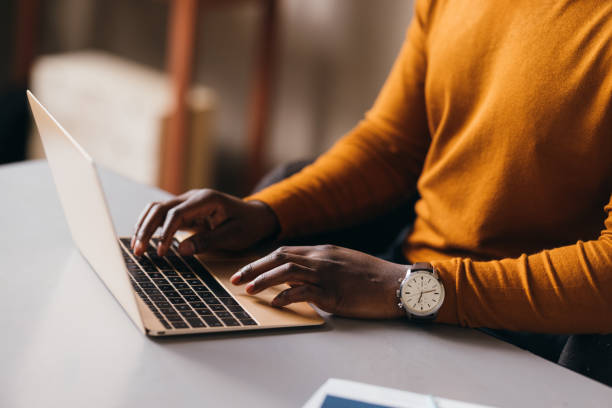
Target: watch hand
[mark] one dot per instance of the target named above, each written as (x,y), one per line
(419,301)
(429,291)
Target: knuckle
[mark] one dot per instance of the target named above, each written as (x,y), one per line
(280,254)
(156,207)
(327,247)
(174,212)
(206,193)
(291,267)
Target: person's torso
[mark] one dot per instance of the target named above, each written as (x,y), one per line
(518,102)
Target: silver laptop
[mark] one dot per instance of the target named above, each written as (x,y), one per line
(163,296)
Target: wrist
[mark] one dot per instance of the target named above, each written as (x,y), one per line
(396,275)
(266,220)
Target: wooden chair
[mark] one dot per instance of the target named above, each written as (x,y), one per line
(181,43)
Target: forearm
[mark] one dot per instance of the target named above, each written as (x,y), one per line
(362,176)
(563,290)
(373,167)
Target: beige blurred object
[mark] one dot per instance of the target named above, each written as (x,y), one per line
(119,111)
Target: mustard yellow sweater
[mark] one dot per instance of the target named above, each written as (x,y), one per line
(499,113)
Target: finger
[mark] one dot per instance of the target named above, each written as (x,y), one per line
(141,218)
(206,206)
(285,273)
(176,218)
(151,222)
(280,256)
(224,237)
(302,293)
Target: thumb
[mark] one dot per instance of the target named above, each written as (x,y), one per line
(223,237)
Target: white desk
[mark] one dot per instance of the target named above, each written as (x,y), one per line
(54,354)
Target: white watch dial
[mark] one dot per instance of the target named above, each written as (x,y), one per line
(422,294)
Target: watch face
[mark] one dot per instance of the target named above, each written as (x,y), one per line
(422,294)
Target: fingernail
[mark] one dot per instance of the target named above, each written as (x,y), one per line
(250,287)
(186,248)
(275,302)
(138,246)
(235,279)
(132,244)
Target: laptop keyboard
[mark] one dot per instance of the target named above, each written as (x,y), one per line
(180,291)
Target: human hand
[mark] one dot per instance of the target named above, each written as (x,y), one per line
(337,280)
(222,221)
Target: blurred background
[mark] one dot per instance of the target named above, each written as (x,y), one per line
(186,93)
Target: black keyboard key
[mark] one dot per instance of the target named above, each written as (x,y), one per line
(187,292)
(160,282)
(231,322)
(223,315)
(196,322)
(204,312)
(158,298)
(162,304)
(179,325)
(233,308)
(138,274)
(178,263)
(166,324)
(188,275)
(142,279)
(166,288)
(192,298)
(172,293)
(183,307)
(176,301)
(176,279)
(170,273)
(248,322)
(146,285)
(189,313)
(228,301)
(212,321)
(146,263)
(217,308)
(152,292)
(181,285)
(193,282)
(242,315)
(174,318)
(205,294)
(199,288)
(212,301)
(198,305)
(156,275)
(218,290)
(167,310)
(160,262)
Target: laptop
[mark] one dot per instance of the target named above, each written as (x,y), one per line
(163,296)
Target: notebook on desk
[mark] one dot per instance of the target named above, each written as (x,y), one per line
(163,296)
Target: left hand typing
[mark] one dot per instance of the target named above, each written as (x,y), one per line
(337,280)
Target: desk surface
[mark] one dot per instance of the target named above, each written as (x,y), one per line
(53,355)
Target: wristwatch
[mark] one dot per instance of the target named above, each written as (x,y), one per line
(421,292)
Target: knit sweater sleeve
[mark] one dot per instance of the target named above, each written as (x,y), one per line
(373,167)
(561,290)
